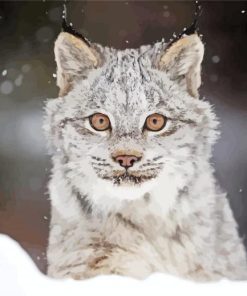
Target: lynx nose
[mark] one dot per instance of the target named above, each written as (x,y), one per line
(126,161)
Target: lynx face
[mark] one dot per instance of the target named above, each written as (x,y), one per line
(129,120)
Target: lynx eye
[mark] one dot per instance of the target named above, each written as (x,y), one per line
(155,122)
(99,122)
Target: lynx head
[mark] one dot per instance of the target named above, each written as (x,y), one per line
(129,120)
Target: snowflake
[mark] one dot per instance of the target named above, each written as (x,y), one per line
(4,73)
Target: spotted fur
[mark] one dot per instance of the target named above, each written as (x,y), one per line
(166,213)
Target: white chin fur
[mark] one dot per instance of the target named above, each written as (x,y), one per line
(116,193)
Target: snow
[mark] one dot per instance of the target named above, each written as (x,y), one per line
(6,87)
(44,34)
(215,59)
(166,14)
(25,68)
(4,73)
(20,277)
(18,80)
(54,75)
(243,11)
(45,217)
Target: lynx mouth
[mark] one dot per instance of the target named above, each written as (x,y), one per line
(129,178)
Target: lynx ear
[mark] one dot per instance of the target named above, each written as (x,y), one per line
(74,57)
(182,61)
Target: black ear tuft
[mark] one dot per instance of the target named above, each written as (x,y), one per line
(69,29)
(193,28)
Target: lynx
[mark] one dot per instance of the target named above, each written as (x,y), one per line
(132,189)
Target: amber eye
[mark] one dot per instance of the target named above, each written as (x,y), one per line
(99,122)
(155,122)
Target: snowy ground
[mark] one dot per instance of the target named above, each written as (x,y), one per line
(20,277)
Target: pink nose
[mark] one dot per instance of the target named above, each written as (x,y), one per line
(126,161)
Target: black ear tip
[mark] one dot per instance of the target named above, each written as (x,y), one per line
(64,25)
(193,28)
(69,29)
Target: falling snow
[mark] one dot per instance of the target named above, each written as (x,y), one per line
(45,218)
(18,80)
(54,75)
(215,59)
(166,14)
(26,68)
(240,190)
(243,11)
(6,87)
(44,34)
(4,73)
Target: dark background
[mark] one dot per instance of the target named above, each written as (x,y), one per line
(27,34)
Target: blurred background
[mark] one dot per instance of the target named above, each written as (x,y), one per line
(27,78)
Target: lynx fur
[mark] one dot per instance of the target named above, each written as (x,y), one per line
(166,212)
